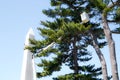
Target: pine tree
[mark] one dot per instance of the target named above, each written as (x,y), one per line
(109,11)
(69,50)
(72,38)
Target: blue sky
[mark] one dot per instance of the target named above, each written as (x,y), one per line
(16,17)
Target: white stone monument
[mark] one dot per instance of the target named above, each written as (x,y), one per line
(28,67)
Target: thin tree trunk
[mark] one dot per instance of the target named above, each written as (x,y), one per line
(101,57)
(111,45)
(75,58)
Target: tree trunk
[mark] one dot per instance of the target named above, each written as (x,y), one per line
(101,57)
(75,58)
(111,45)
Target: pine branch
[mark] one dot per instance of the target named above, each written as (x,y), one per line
(111,20)
(114,32)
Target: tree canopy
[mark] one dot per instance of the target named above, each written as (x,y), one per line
(68,38)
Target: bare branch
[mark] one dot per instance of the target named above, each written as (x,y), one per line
(111,21)
(114,32)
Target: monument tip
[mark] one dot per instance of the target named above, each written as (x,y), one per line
(30,32)
(30,35)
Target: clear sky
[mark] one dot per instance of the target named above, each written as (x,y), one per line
(16,17)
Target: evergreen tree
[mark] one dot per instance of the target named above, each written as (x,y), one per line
(70,49)
(109,11)
(72,38)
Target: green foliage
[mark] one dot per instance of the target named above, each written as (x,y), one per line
(55,3)
(75,28)
(118,11)
(50,66)
(102,44)
(106,10)
(99,4)
(117,30)
(58,12)
(89,74)
(117,15)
